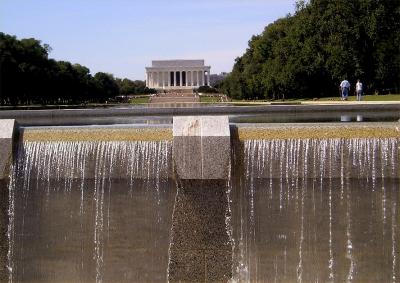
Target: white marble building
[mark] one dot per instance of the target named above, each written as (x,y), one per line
(177,74)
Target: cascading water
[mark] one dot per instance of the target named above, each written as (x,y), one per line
(299,210)
(75,209)
(316,210)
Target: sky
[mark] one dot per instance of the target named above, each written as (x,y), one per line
(122,37)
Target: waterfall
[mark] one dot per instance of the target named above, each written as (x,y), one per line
(316,210)
(86,171)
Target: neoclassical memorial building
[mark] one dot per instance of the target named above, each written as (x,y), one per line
(177,74)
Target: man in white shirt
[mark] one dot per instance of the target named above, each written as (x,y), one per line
(345,88)
(359,90)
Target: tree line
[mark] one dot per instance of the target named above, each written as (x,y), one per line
(308,53)
(28,76)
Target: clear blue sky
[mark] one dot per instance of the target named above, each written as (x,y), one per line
(122,37)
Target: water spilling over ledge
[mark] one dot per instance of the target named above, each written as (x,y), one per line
(316,210)
(90,198)
(302,203)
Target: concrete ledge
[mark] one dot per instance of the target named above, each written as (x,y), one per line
(331,150)
(6,144)
(96,134)
(201,147)
(316,131)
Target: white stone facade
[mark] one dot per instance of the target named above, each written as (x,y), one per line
(177,74)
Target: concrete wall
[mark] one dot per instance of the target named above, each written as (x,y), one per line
(6,144)
(201,147)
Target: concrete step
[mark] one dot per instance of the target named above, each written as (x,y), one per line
(168,99)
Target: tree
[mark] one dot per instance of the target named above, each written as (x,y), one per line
(106,86)
(28,76)
(307,54)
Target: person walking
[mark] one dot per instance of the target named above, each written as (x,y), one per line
(359,90)
(344,88)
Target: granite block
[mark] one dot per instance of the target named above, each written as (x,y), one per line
(200,248)
(6,142)
(201,147)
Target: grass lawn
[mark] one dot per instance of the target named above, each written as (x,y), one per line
(385,97)
(139,100)
(214,99)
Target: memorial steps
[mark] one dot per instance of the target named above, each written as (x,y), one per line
(172,97)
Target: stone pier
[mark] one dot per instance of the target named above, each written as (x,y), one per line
(6,144)
(200,249)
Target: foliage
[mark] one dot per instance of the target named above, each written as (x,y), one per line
(206,89)
(28,76)
(128,87)
(307,54)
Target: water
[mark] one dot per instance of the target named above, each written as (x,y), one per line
(90,212)
(316,211)
(309,210)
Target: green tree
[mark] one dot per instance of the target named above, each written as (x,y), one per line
(307,54)
(106,86)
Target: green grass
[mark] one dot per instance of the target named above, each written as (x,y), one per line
(385,97)
(139,100)
(215,99)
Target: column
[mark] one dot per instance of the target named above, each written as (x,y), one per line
(157,79)
(163,79)
(201,75)
(208,77)
(150,78)
(198,82)
(191,78)
(180,79)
